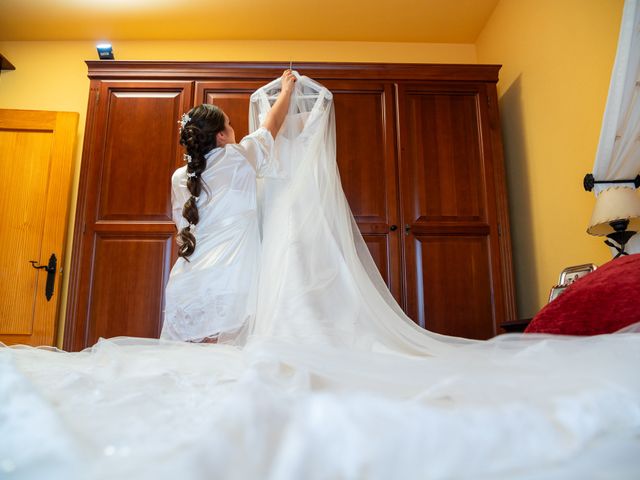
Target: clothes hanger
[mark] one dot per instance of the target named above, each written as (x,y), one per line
(277,82)
(310,84)
(301,79)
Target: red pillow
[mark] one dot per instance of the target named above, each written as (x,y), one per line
(603,301)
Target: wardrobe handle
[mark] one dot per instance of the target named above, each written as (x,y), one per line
(393,228)
(407,229)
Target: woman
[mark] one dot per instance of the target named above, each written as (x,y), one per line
(211,286)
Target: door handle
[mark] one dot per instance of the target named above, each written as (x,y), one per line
(51,274)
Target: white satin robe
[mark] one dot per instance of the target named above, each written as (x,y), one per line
(213,292)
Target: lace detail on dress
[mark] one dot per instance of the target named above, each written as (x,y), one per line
(213,315)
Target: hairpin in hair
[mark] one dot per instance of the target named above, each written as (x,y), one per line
(191,175)
(186,157)
(184,120)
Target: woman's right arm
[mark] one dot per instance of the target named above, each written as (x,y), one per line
(275,117)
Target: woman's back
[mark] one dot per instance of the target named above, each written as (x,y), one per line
(212,292)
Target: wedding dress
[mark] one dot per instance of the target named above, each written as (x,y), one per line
(319,283)
(329,379)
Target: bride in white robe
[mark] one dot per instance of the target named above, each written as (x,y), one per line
(212,287)
(329,380)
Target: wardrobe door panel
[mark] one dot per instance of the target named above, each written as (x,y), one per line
(123,242)
(131,306)
(232,97)
(451,268)
(452,290)
(138,153)
(378,246)
(443,153)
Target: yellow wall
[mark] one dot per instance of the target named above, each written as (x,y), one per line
(557,58)
(53,75)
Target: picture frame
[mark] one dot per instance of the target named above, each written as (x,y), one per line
(568,276)
(556,291)
(573,273)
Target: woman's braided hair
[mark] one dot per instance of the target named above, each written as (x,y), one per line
(198,136)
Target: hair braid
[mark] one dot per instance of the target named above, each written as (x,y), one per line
(198,136)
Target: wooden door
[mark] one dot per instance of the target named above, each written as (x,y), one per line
(124,235)
(366,156)
(449,222)
(36,163)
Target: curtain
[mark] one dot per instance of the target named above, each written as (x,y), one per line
(618,154)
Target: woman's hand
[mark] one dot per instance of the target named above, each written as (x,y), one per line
(288,81)
(274,119)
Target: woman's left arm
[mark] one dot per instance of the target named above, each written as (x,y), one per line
(275,117)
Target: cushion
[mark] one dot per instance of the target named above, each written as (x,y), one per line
(603,301)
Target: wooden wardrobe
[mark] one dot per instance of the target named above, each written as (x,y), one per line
(420,157)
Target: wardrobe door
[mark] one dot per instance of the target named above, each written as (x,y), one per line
(452,268)
(124,235)
(366,156)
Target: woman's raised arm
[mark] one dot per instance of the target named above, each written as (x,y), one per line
(274,119)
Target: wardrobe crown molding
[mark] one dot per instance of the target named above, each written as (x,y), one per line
(124,69)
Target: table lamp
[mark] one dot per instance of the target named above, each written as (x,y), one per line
(616,215)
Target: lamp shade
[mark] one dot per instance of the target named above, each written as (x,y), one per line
(617,203)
